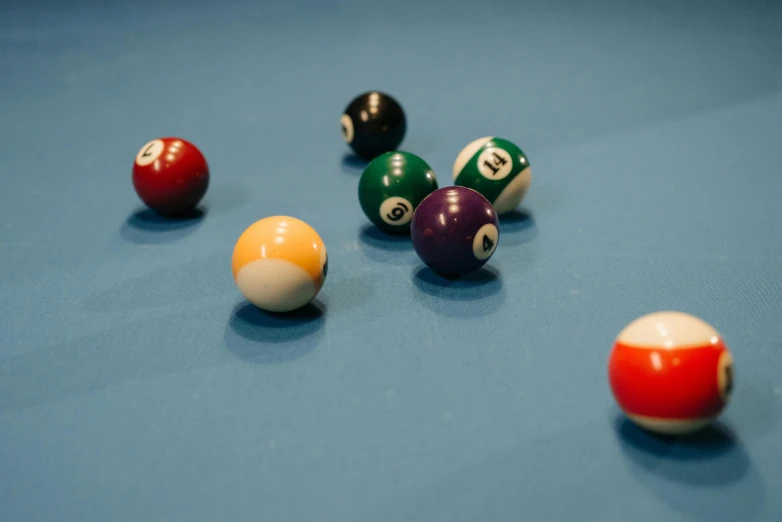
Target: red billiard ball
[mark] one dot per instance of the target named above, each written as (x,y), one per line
(170,175)
(670,372)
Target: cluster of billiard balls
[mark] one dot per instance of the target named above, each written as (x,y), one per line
(670,372)
(454,230)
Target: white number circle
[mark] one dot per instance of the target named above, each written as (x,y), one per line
(150,152)
(725,376)
(495,163)
(396,211)
(485,242)
(347,128)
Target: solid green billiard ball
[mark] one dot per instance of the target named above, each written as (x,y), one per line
(391,187)
(496,168)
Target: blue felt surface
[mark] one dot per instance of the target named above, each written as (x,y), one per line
(136,384)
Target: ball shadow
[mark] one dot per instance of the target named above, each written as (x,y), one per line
(396,249)
(146,226)
(517,226)
(706,443)
(475,285)
(373,237)
(699,474)
(261,337)
(475,294)
(353,164)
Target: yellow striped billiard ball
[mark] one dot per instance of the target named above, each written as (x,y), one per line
(279,263)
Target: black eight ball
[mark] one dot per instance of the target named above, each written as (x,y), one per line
(373,123)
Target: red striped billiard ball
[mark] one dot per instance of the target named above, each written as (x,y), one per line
(170,175)
(670,372)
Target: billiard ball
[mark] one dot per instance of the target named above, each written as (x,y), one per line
(170,175)
(496,168)
(391,187)
(455,230)
(373,123)
(279,263)
(670,372)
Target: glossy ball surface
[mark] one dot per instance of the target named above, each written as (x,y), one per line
(373,123)
(279,263)
(455,231)
(170,175)
(497,168)
(391,187)
(670,372)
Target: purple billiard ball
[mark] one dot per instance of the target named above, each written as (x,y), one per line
(455,230)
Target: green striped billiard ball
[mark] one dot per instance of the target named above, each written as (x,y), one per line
(496,168)
(391,187)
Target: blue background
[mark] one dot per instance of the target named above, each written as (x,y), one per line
(137,384)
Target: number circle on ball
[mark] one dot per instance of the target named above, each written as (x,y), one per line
(347,128)
(396,211)
(495,163)
(725,378)
(150,152)
(485,242)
